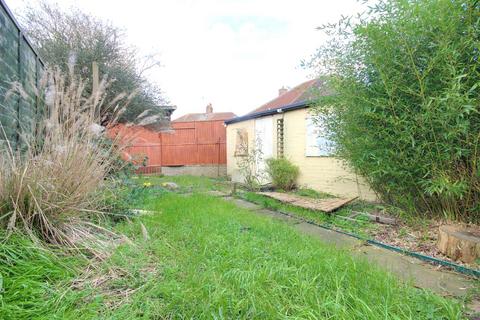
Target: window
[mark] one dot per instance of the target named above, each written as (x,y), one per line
(241,143)
(317,143)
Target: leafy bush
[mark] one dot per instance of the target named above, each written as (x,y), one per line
(405,113)
(284,174)
(53,186)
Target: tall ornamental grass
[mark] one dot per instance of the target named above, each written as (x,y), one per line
(52,187)
(406,108)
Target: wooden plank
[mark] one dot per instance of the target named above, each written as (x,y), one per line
(325,205)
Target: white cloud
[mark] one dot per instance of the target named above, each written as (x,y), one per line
(232,53)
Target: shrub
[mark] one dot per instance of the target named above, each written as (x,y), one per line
(405,113)
(284,174)
(50,189)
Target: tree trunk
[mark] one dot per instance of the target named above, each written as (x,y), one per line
(459,243)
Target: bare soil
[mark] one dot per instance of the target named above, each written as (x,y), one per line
(422,239)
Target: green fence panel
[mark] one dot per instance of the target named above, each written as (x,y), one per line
(19,64)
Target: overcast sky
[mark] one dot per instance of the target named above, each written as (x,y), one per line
(235,54)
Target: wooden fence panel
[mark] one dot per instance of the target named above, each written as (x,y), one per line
(180,136)
(18,63)
(209,153)
(189,143)
(139,152)
(27,109)
(177,155)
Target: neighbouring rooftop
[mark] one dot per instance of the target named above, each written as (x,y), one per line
(209,115)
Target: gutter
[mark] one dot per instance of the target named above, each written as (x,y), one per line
(290,107)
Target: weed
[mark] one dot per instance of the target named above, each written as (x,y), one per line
(306,192)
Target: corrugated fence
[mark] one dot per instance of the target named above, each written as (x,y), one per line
(19,63)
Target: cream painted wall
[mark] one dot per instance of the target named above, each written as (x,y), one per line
(325,174)
(232,168)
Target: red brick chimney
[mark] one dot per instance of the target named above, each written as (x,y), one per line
(282,91)
(209,108)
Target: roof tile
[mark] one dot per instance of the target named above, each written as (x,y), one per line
(300,93)
(214,116)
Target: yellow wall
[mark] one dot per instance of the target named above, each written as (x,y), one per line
(232,168)
(325,174)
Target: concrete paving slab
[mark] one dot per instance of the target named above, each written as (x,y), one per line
(246,205)
(275,215)
(331,237)
(421,274)
(217,193)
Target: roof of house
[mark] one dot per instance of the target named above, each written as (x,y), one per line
(303,92)
(206,116)
(298,97)
(291,107)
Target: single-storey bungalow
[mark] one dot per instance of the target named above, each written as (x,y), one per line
(284,127)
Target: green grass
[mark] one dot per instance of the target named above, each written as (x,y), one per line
(217,261)
(310,193)
(35,282)
(205,258)
(188,183)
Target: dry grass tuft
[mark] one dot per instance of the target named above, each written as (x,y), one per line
(52,186)
(113,282)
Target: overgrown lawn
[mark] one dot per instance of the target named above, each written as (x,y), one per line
(216,260)
(204,258)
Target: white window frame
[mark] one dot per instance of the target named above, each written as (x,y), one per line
(316,142)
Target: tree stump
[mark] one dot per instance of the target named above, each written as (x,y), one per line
(459,243)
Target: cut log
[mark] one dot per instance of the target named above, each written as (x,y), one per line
(459,243)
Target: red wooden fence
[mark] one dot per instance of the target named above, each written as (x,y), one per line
(189,143)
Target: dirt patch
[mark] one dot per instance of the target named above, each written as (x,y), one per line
(421,239)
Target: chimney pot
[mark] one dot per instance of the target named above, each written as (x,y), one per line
(209,108)
(282,91)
